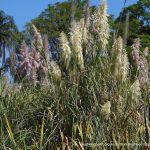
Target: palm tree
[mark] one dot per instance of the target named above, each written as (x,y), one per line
(7,32)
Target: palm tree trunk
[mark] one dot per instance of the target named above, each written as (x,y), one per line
(1,49)
(4,54)
(12,61)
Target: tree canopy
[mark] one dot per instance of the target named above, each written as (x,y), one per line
(7,30)
(139,22)
(57,18)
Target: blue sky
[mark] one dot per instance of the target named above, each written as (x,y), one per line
(25,10)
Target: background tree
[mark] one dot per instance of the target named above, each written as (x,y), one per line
(56,18)
(10,39)
(7,32)
(139,22)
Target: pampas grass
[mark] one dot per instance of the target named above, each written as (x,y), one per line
(136,92)
(37,42)
(78,99)
(135,51)
(121,68)
(100,26)
(76,43)
(33,60)
(55,71)
(103,25)
(84,31)
(65,49)
(141,64)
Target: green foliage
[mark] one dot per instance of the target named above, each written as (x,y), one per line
(34,117)
(56,18)
(139,22)
(10,38)
(7,33)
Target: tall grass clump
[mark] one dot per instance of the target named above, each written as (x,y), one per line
(91,95)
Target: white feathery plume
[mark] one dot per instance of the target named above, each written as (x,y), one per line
(117,52)
(121,61)
(25,63)
(135,51)
(55,71)
(104,26)
(125,65)
(141,63)
(33,77)
(94,21)
(100,26)
(65,49)
(35,61)
(143,71)
(32,64)
(43,74)
(76,41)
(35,58)
(84,31)
(136,91)
(145,52)
(37,39)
